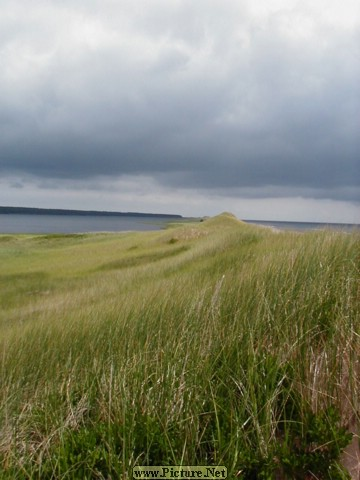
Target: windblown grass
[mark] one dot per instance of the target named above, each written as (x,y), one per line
(210,343)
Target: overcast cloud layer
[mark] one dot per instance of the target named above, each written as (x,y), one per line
(235,99)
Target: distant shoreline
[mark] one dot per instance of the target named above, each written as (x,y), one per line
(60,211)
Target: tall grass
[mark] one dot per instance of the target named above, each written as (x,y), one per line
(216,343)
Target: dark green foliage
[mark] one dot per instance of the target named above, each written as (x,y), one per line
(95,449)
(314,445)
(92,451)
(308,446)
(154,444)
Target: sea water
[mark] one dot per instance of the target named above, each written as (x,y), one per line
(301,226)
(32,224)
(28,223)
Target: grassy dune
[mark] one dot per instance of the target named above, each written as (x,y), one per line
(212,343)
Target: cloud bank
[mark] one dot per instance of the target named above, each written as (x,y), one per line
(233,99)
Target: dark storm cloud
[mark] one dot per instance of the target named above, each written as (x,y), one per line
(195,95)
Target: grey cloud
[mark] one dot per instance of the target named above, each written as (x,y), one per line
(212,102)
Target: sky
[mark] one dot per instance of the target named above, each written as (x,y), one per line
(191,107)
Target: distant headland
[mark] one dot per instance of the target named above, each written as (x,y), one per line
(61,211)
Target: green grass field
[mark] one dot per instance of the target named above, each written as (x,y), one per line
(211,343)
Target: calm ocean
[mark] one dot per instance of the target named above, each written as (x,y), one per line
(19,223)
(300,226)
